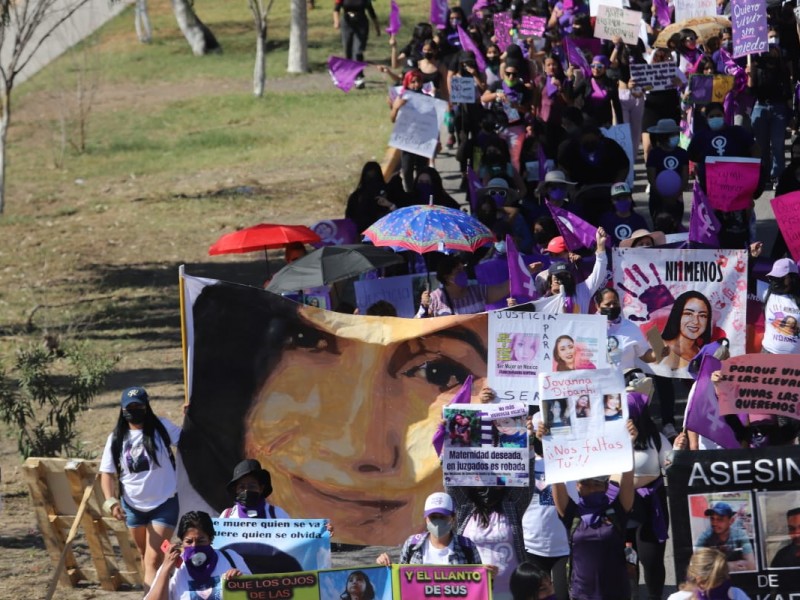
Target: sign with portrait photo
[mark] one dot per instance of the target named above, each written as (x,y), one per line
(691,297)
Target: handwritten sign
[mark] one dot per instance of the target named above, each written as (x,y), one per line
(531,25)
(750,28)
(731,182)
(613,22)
(451,581)
(787,214)
(462,90)
(704,89)
(594,6)
(622,135)
(502,29)
(657,76)
(586,413)
(417,127)
(762,384)
(694,9)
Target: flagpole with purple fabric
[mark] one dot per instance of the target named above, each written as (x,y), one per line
(439,13)
(702,411)
(663,16)
(576,57)
(704,227)
(473,185)
(344,71)
(468,44)
(394,19)
(521,284)
(576,232)
(464,396)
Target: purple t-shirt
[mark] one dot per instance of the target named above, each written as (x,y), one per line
(598,555)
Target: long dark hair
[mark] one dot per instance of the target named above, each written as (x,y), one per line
(647,431)
(369,592)
(150,427)
(673,327)
(526,580)
(557,355)
(793,292)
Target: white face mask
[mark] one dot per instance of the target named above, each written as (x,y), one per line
(774,40)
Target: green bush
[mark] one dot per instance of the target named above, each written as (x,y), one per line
(49,388)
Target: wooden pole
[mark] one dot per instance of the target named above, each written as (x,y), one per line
(73,531)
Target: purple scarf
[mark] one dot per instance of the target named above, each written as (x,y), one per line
(593,508)
(658,516)
(511,93)
(260,511)
(718,593)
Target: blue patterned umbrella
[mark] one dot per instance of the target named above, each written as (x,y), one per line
(429,228)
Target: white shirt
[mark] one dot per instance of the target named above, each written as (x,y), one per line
(179,583)
(779,336)
(648,463)
(145,484)
(583,290)
(436,556)
(545,534)
(735,594)
(626,343)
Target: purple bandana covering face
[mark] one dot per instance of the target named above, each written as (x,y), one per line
(200,562)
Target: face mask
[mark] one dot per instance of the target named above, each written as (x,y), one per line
(728,45)
(134,416)
(248,498)
(455,22)
(428,55)
(623,206)
(672,142)
(461,279)
(776,286)
(200,561)
(510,82)
(612,312)
(774,40)
(557,194)
(439,528)
(716,123)
(493,62)
(594,500)
(500,247)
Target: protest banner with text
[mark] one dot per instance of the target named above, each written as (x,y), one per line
(486,444)
(655,77)
(594,6)
(532,26)
(691,297)
(694,9)
(462,90)
(586,413)
(787,215)
(444,581)
(416,129)
(731,181)
(737,501)
(613,22)
(750,30)
(760,384)
(524,344)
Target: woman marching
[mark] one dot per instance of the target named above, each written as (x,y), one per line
(139,453)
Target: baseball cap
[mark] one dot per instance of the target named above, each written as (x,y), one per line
(133,394)
(558,269)
(620,189)
(782,267)
(597,478)
(556,246)
(439,503)
(722,509)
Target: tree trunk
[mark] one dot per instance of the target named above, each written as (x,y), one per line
(298,38)
(141,20)
(200,38)
(5,114)
(260,68)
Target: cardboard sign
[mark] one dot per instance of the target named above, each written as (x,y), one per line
(694,9)
(594,5)
(787,214)
(704,89)
(416,129)
(657,76)
(613,21)
(761,384)
(731,181)
(750,30)
(462,90)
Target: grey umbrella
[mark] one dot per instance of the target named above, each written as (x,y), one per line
(330,264)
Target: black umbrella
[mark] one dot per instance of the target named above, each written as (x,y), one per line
(330,264)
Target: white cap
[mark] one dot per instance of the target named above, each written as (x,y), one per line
(439,503)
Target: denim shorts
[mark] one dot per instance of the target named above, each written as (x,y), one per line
(165,513)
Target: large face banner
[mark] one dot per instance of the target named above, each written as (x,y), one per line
(691,297)
(340,409)
(746,503)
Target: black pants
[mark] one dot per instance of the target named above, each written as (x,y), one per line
(410,166)
(355,33)
(649,549)
(557,567)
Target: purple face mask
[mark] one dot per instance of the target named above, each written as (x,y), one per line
(461,279)
(622,206)
(200,562)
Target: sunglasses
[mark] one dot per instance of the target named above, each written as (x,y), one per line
(690,38)
(598,66)
(512,74)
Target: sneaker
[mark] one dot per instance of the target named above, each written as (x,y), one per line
(669,431)
(451,141)
(360,83)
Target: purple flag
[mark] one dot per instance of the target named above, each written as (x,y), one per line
(704,227)
(576,232)
(344,72)
(702,411)
(473,185)
(468,44)
(663,16)
(576,57)
(480,4)
(502,30)
(520,281)
(439,13)
(464,396)
(394,19)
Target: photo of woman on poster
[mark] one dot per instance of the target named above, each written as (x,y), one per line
(555,413)
(583,407)
(567,356)
(509,432)
(612,407)
(687,330)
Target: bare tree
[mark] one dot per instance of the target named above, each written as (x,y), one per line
(260,13)
(298,38)
(25,25)
(199,36)
(141,20)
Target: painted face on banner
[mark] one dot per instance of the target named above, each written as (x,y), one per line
(694,319)
(345,426)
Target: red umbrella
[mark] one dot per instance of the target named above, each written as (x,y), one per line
(264,236)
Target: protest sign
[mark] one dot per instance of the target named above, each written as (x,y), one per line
(761,384)
(594,5)
(299,586)
(586,412)
(335,232)
(694,9)
(486,444)
(444,581)
(524,344)
(462,90)
(750,30)
(704,89)
(533,26)
(402,292)
(691,296)
(622,135)
(276,545)
(657,76)
(416,129)
(613,22)
(752,490)
(787,215)
(702,407)
(502,29)
(333,584)
(731,181)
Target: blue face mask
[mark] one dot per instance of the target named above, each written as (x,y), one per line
(557,194)
(500,247)
(716,123)
(673,141)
